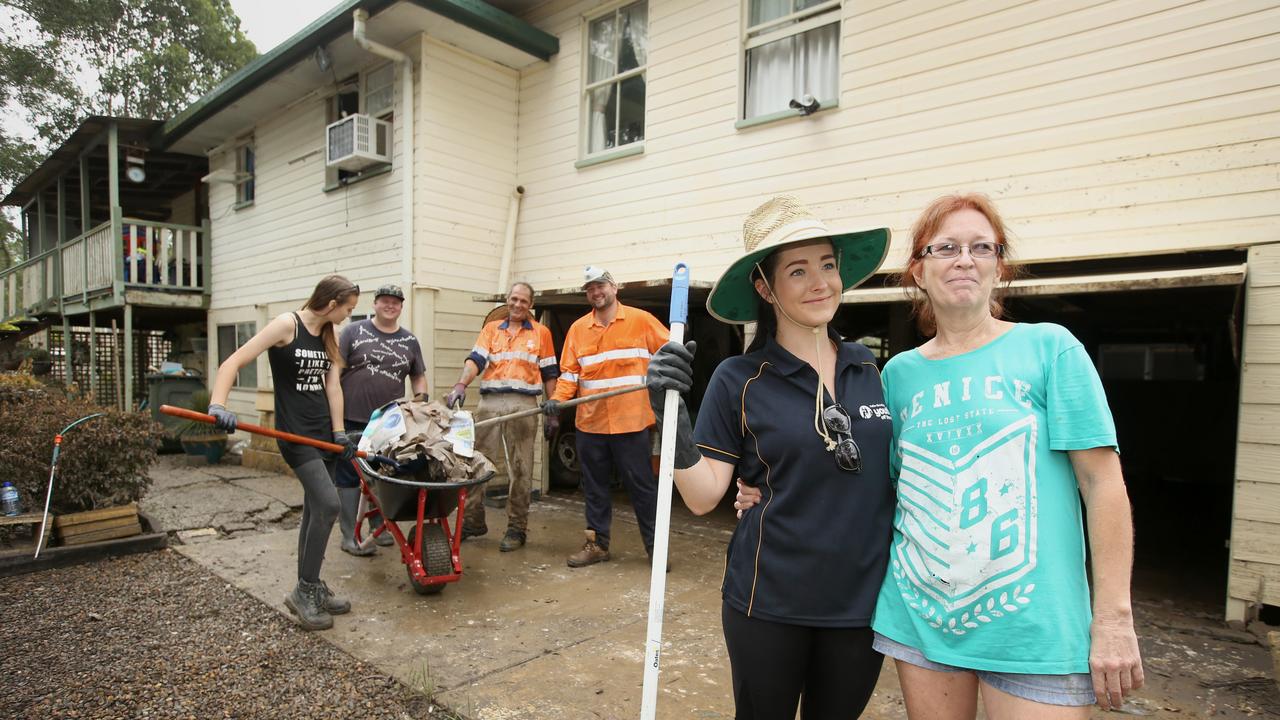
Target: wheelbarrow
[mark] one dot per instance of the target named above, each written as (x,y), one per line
(431,551)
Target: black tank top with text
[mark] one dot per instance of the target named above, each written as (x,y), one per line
(298,372)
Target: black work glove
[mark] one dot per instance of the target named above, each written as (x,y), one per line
(340,437)
(550,425)
(551,408)
(671,368)
(222,417)
(456,396)
(422,397)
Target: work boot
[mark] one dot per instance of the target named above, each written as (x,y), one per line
(472,529)
(331,603)
(348,512)
(385,539)
(590,554)
(305,602)
(513,540)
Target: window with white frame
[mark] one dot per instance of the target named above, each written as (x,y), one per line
(372,93)
(613,98)
(246,161)
(230,338)
(792,50)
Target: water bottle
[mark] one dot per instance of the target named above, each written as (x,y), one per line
(9,499)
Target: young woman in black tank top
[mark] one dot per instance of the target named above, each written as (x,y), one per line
(302,348)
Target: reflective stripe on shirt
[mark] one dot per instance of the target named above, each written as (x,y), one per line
(617,382)
(621,354)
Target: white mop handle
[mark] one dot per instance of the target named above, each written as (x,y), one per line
(661,528)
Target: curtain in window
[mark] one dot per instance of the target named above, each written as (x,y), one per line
(779,71)
(617,43)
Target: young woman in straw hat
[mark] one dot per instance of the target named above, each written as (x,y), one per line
(305,363)
(801,415)
(999,429)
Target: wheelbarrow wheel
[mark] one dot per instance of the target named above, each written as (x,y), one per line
(437,557)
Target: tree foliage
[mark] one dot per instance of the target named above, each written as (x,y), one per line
(63,60)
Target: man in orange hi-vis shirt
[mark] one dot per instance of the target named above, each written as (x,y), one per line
(515,361)
(605,349)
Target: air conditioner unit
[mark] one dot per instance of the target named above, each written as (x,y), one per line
(357,141)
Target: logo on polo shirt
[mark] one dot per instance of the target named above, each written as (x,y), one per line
(878,411)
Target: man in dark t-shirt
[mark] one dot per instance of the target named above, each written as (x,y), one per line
(379,355)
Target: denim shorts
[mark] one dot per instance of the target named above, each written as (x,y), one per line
(1074,690)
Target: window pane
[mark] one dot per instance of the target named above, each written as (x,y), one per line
(791,67)
(806,4)
(766,10)
(602,108)
(631,111)
(601,45)
(226,342)
(634,49)
(379,88)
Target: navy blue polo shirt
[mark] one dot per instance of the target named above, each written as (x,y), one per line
(814,550)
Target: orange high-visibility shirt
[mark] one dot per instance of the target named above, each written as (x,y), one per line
(596,358)
(518,362)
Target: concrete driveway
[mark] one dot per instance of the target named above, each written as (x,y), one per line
(521,635)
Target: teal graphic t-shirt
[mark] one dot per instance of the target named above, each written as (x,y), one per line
(987,565)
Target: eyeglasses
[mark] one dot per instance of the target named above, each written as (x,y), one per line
(848,454)
(946,250)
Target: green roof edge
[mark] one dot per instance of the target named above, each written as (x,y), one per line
(335,23)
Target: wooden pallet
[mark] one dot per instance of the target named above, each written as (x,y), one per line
(27,544)
(95,525)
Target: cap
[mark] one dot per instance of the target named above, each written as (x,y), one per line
(596,274)
(392,290)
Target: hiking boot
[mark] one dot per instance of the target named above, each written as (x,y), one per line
(305,602)
(590,554)
(470,531)
(348,513)
(331,603)
(513,540)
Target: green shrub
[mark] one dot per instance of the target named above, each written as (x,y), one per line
(104,461)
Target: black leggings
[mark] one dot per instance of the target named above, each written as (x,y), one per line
(319,510)
(775,665)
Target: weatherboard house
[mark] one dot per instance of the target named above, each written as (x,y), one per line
(452,146)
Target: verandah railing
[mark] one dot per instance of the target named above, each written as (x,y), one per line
(125,252)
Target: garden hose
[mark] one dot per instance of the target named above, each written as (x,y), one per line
(53,470)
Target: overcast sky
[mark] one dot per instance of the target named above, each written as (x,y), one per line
(270,22)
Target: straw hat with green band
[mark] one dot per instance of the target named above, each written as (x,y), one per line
(779,222)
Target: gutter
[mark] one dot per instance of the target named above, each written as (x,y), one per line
(407,131)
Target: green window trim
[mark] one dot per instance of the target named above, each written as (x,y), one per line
(825,105)
(635,148)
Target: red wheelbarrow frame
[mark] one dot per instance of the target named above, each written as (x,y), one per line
(411,553)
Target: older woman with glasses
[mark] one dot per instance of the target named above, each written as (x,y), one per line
(800,415)
(999,429)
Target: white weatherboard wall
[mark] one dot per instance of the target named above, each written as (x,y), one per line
(1255,523)
(274,251)
(466,172)
(1101,129)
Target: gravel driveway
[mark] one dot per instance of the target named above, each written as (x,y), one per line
(156,636)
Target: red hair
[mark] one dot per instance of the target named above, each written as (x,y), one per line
(923,232)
